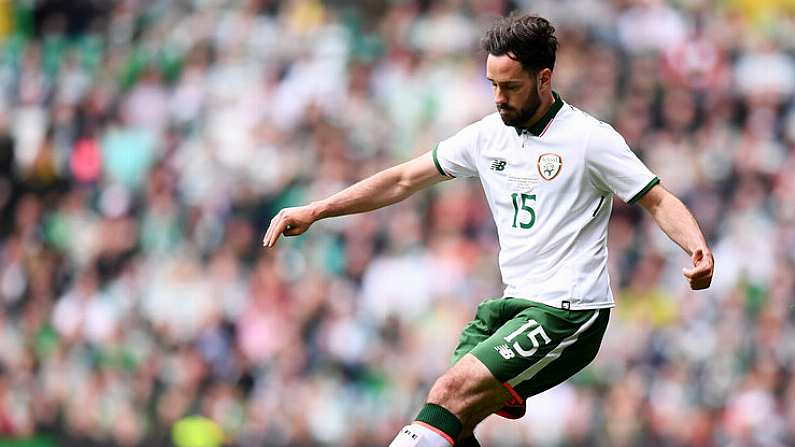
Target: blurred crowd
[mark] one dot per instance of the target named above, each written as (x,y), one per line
(145,145)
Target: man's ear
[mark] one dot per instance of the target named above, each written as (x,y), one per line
(544,79)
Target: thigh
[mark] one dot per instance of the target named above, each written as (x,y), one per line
(542,346)
(488,318)
(564,361)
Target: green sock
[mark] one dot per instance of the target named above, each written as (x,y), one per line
(440,418)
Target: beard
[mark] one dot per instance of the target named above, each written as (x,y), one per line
(514,117)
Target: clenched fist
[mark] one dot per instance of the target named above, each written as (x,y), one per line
(700,276)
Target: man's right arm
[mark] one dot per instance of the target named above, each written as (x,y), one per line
(384,188)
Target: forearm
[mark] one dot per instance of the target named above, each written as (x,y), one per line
(678,223)
(384,188)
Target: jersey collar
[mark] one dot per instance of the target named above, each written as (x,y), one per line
(538,128)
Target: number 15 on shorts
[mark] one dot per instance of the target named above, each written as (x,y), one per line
(533,335)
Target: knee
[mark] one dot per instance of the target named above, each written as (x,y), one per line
(459,394)
(467,379)
(463,391)
(448,389)
(469,391)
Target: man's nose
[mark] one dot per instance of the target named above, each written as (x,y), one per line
(499,97)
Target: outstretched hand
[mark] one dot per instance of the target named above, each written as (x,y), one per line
(289,222)
(700,276)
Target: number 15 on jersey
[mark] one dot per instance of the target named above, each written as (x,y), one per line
(523,215)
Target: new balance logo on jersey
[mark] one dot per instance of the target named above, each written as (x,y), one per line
(506,352)
(498,165)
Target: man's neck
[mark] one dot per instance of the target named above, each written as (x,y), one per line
(549,107)
(546,102)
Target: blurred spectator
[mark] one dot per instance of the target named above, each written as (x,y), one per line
(145,145)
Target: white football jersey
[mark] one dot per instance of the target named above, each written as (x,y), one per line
(550,191)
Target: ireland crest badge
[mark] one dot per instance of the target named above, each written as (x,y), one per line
(549,165)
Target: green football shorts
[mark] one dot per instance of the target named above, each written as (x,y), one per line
(529,346)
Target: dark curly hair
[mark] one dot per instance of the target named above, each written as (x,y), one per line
(528,39)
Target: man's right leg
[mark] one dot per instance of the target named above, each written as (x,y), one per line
(517,355)
(490,315)
(465,395)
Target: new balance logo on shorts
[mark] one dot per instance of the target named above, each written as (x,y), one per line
(505,351)
(498,165)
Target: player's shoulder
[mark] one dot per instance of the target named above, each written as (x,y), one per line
(574,116)
(483,129)
(493,119)
(596,130)
(490,123)
(484,123)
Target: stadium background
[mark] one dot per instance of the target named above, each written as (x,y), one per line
(144,146)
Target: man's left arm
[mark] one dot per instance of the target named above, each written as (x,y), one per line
(673,217)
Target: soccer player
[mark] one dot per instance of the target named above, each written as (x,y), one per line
(549,172)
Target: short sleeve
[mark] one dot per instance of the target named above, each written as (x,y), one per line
(614,168)
(455,156)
